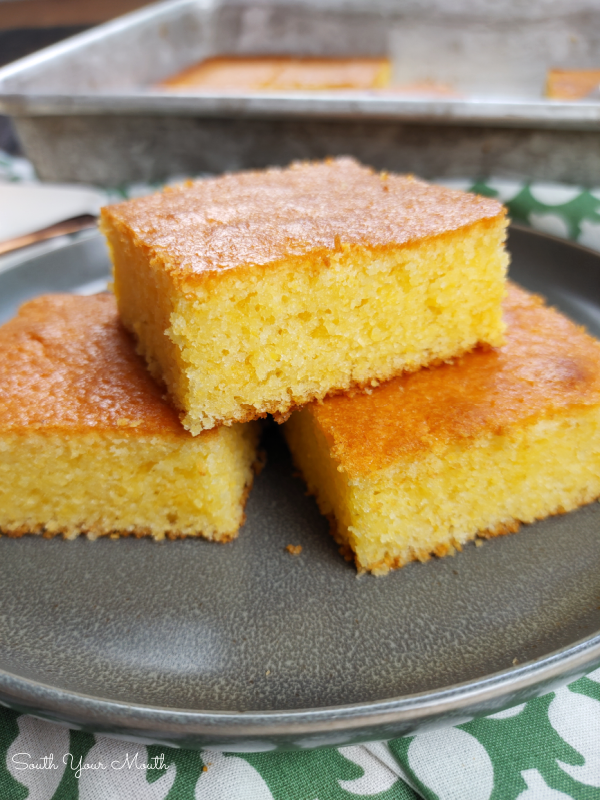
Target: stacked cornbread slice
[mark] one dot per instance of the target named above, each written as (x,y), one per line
(88,444)
(430,460)
(259,292)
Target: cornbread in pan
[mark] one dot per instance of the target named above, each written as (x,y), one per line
(281,74)
(88,444)
(571,84)
(430,460)
(261,291)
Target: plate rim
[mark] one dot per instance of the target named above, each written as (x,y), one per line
(504,688)
(363,721)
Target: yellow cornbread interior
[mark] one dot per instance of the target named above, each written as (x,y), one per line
(437,502)
(248,341)
(105,483)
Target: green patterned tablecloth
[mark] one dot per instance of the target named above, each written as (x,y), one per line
(547,749)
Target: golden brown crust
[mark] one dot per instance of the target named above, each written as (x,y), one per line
(547,367)
(305,212)
(280,73)
(505,528)
(96,533)
(68,364)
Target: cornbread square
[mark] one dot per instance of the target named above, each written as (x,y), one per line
(431,460)
(261,291)
(281,74)
(88,444)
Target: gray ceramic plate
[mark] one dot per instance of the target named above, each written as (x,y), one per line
(245,647)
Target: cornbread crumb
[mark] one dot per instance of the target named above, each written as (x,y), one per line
(258,292)
(88,444)
(294,549)
(474,448)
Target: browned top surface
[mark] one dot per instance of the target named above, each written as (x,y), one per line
(281,74)
(257,218)
(68,364)
(547,365)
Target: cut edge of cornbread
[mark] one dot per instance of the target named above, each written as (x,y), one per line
(108,484)
(275,354)
(543,480)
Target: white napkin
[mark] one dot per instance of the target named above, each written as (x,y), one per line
(28,207)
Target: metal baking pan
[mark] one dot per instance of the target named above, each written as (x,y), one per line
(86,110)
